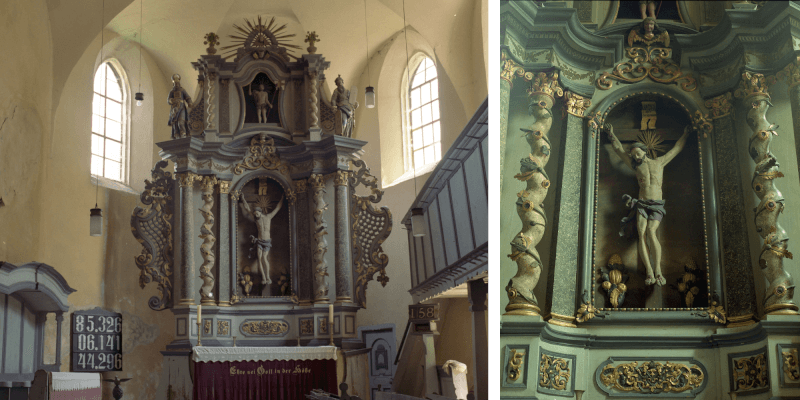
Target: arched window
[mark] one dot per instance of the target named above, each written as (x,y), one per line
(423,115)
(109,147)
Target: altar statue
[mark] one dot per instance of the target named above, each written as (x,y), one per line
(648,208)
(264,241)
(262,103)
(341,100)
(179,102)
(649,33)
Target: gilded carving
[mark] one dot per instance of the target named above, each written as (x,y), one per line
(750,373)
(265,328)
(261,40)
(791,73)
(587,310)
(651,62)
(301,186)
(791,368)
(224,187)
(614,281)
(187,178)
(509,69)
(553,373)
(152,227)
(576,104)
(515,361)
(652,377)
(754,85)
(594,121)
(262,154)
(306,327)
(223,328)
(206,327)
(323,325)
(341,178)
(715,312)
(687,284)
(701,123)
(720,106)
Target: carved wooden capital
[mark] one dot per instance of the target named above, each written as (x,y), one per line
(720,106)
(509,69)
(211,75)
(290,195)
(546,84)
(576,104)
(701,123)
(754,85)
(316,181)
(224,187)
(187,179)
(340,178)
(301,186)
(207,183)
(235,195)
(791,73)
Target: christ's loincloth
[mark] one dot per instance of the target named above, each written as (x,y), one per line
(650,209)
(263,245)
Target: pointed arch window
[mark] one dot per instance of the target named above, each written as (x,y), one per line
(109,130)
(423,115)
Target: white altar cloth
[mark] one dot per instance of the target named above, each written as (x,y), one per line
(223,354)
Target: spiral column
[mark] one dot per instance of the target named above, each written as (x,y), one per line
(753,89)
(522,301)
(207,247)
(321,295)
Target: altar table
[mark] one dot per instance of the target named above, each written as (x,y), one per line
(255,373)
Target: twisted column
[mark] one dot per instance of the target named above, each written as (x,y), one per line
(509,68)
(313,99)
(317,183)
(186,180)
(780,286)
(522,301)
(344,261)
(212,80)
(207,248)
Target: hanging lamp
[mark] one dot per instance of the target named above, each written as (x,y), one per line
(139,96)
(369,95)
(96,214)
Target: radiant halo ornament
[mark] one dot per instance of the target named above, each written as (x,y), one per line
(261,41)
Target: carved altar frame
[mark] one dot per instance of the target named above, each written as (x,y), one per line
(590,265)
(288,189)
(277,72)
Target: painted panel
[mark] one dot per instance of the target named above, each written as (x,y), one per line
(412,260)
(476,186)
(448,229)
(430,267)
(435,230)
(28,342)
(458,196)
(13,325)
(420,256)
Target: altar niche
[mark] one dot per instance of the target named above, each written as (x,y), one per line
(266,205)
(261,99)
(681,232)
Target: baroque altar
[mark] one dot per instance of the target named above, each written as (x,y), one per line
(269,223)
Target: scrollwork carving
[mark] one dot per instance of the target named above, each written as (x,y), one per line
(515,361)
(553,373)
(152,227)
(791,368)
(370,228)
(262,154)
(265,328)
(651,62)
(750,373)
(652,377)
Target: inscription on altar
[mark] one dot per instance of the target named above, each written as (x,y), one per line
(298,369)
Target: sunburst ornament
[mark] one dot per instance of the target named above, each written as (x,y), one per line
(265,204)
(260,40)
(652,141)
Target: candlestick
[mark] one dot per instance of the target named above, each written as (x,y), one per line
(330,313)
(199,334)
(234,341)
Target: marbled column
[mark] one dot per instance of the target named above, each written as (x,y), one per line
(223,246)
(567,215)
(779,295)
(304,242)
(521,300)
(477,291)
(740,294)
(321,295)
(187,234)
(344,259)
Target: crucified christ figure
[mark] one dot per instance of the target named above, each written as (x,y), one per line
(648,209)
(263,242)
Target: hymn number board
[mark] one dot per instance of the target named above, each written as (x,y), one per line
(96,341)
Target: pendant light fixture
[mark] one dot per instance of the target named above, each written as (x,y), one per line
(139,96)
(369,96)
(417,214)
(96,214)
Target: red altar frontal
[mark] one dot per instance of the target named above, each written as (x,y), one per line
(255,373)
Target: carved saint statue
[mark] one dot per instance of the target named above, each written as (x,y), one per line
(264,242)
(648,209)
(179,102)
(262,103)
(341,100)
